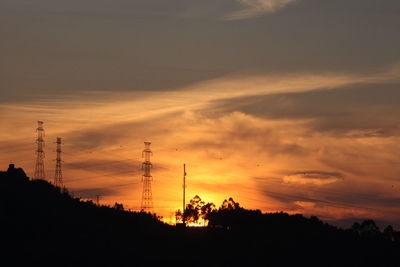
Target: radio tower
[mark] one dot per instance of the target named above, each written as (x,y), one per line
(58,181)
(39,168)
(147,198)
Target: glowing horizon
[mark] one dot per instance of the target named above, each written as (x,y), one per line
(263,163)
(273,103)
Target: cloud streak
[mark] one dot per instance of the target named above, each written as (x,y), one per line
(312,177)
(254,8)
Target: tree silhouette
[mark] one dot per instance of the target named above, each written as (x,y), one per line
(193,209)
(118,206)
(196,211)
(231,214)
(366,228)
(230,205)
(389,232)
(178,216)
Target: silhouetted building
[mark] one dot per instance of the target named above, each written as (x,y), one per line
(16,173)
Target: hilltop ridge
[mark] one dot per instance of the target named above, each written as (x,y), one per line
(44,225)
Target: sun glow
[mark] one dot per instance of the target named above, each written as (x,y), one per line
(199,223)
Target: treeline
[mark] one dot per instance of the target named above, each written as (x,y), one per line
(45,226)
(231,216)
(293,239)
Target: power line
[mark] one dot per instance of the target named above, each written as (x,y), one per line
(101,175)
(72,164)
(108,186)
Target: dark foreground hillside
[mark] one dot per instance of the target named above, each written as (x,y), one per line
(42,225)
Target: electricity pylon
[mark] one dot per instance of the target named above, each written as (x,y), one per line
(58,180)
(147,197)
(39,167)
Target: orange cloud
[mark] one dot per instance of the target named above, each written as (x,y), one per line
(312,177)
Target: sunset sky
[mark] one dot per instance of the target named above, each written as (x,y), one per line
(284,105)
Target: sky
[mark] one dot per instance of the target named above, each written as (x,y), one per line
(284,105)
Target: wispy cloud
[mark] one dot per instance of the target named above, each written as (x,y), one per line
(253,8)
(312,177)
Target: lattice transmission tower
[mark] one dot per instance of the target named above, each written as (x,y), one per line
(147,197)
(58,180)
(39,167)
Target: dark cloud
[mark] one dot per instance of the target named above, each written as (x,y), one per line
(223,145)
(350,194)
(131,166)
(372,108)
(66,47)
(17,146)
(317,175)
(368,199)
(115,134)
(371,202)
(114,170)
(229,133)
(292,198)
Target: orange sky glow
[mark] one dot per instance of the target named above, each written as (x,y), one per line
(272,163)
(284,105)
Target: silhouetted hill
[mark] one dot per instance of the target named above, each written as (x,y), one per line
(43,225)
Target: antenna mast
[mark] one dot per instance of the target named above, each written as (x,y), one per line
(98,200)
(58,181)
(147,197)
(184,193)
(39,167)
